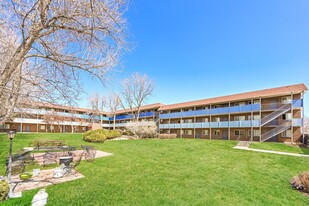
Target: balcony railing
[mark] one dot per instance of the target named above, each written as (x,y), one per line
(129,116)
(232,124)
(215,111)
(297,103)
(297,122)
(65,114)
(41,121)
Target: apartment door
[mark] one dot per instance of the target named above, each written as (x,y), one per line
(27,128)
(273,104)
(198,134)
(225,135)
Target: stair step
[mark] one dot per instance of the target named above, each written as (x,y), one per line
(244,143)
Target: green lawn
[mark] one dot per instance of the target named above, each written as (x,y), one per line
(279,147)
(172,172)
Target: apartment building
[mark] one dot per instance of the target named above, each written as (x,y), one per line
(266,115)
(275,114)
(53,118)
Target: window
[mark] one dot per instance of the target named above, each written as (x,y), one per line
(242,103)
(217,119)
(255,117)
(205,119)
(217,132)
(42,127)
(256,133)
(256,101)
(287,133)
(51,127)
(6,126)
(239,132)
(286,100)
(239,118)
(287,116)
(188,132)
(188,120)
(205,132)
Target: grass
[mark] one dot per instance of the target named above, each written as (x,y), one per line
(279,147)
(171,172)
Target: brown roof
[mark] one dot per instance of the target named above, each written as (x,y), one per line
(58,106)
(145,107)
(297,88)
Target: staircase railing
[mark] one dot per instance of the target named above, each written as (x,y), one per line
(279,129)
(283,109)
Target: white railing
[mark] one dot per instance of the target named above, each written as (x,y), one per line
(283,109)
(41,121)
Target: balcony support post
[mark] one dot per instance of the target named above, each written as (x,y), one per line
(292,133)
(251,136)
(210,134)
(181,110)
(194,120)
(37,124)
(229,128)
(302,117)
(169,128)
(21,122)
(260,119)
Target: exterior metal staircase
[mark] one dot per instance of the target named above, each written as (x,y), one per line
(277,130)
(281,110)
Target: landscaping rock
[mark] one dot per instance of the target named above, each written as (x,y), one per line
(301,182)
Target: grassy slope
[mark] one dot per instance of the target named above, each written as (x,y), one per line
(279,147)
(173,172)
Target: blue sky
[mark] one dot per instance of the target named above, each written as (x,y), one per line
(199,49)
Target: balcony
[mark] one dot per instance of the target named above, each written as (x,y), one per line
(43,112)
(297,103)
(297,122)
(216,111)
(226,124)
(41,121)
(129,116)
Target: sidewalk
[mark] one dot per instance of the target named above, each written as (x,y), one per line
(271,152)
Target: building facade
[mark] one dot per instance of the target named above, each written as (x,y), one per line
(275,114)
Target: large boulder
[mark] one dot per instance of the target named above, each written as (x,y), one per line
(301,182)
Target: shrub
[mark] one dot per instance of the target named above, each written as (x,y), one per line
(100,135)
(111,134)
(127,132)
(4,190)
(167,136)
(143,129)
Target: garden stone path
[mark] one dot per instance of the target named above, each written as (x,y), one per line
(39,156)
(270,151)
(45,178)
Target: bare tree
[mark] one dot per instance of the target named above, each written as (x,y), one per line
(306,125)
(98,104)
(54,118)
(114,104)
(135,91)
(46,45)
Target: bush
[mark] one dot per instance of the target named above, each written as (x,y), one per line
(100,135)
(4,190)
(127,132)
(143,129)
(167,136)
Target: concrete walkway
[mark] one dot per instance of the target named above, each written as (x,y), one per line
(270,151)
